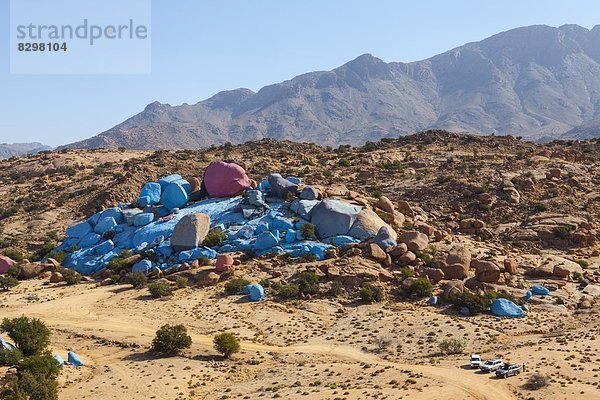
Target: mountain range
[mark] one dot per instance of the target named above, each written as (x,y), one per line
(537,82)
(19,149)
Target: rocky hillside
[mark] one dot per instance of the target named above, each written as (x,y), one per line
(19,149)
(538,82)
(521,191)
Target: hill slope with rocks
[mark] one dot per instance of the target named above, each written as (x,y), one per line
(471,224)
(538,82)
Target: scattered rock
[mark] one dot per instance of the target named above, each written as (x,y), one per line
(487,271)
(511,266)
(190,231)
(385,204)
(416,241)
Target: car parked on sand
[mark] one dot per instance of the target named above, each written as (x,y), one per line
(476,361)
(509,370)
(491,365)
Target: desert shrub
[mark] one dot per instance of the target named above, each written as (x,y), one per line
(118,264)
(537,381)
(236,285)
(307,230)
(10,357)
(171,339)
(475,303)
(541,207)
(403,273)
(181,282)
(59,255)
(583,263)
(14,271)
(337,289)
(14,254)
(40,365)
(136,279)
(392,166)
(288,292)
(561,232)
(214,238)
(30,335)
(308,282)
(421,287)
(452,346)
(26,385)
(226,343)
(116,278)
(344,162)
(371,293)
(160,289)
(7,282)
(71,276)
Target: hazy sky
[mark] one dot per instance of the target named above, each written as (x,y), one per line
(201,47)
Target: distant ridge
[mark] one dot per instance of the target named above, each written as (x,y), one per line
(20,149)
(538,82)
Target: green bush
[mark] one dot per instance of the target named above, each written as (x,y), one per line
(288,292)
(14,271)
(337,289)
(9,358)
(160,289)
(214,238)
(308,230)
(421,287)
(371,293)
(118,264)
(236,285)
(71,276)
(561,232)
(136,279)
(14,254)
(452,346)
(182,282)
(171,339)
(226,343)
(308,282)
(59,255)
(30,335)
(7,282)
(28,386)
(475,303)
(40,365)
(541,207)
(344,162)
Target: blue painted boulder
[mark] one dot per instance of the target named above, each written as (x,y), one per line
(165,181)
(104,247)
(280,186)
(59,360)
(150,194)
(79,230)
(255,292)
(540,290)
(303,207)
(143,219)
(89,240)
(144,266)
(114,212)
(505,308)
(104,225)
(74,359)
(333,217)
(265,240)
(384,238)
(174,196)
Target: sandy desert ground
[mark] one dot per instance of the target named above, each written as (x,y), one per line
(316,350)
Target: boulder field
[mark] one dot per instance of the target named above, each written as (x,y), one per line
(167,227)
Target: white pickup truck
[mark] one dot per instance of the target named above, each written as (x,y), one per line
(476,361)
(491,365)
